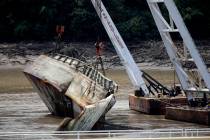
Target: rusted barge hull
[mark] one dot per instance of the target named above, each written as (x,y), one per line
(68,86)
(154,106)
(189,114)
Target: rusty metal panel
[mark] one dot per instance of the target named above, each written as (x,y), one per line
(189,114)
(154,106)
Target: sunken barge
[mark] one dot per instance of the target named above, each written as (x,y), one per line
(71,88)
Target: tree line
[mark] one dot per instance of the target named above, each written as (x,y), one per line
(37,19)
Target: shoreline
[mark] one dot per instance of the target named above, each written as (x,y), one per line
(141,66)
(147,54)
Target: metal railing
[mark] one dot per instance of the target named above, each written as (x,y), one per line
(109,134)
(87,70)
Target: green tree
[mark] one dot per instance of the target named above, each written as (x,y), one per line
(37,19)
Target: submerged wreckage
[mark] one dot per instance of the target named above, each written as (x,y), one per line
(71,88)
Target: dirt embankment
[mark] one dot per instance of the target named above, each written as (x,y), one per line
(148,54)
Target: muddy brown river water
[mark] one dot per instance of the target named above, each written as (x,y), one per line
(21,109)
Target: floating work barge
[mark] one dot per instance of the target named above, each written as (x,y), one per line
(189,114)
(174,108)
(71,88)
(154,106)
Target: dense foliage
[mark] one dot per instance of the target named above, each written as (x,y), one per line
(37,19)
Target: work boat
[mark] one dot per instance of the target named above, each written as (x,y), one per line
(72,88)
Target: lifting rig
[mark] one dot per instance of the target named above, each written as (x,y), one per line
(177,25)
(136,76)
(127,60)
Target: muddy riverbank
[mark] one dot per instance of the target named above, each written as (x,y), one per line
(146,53)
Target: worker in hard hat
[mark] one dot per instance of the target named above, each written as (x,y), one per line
(99,45)
(60,32)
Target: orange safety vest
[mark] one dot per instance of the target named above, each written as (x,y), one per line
(98,46)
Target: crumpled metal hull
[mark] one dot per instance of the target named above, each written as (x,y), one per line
(69,88)
(90,115)
(57,103)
